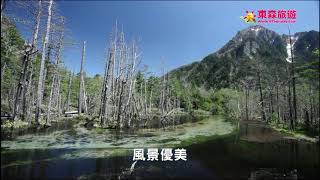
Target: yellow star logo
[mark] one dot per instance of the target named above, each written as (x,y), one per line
(249,18)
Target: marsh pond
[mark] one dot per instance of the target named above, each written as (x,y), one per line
(216,149)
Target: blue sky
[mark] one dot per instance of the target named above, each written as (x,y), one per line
(178,32)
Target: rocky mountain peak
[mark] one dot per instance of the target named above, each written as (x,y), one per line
(249,40)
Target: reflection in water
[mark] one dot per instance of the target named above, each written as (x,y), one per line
(256,131)
(272,173)
(254,152)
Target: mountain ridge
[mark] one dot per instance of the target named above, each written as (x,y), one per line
(252,45)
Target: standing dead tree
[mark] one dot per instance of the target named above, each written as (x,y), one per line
(3,3)
(293,82)
(121,80)
(82,105)
(21,83)
(247,84)
(132,63)
(24,84)
(29,96)
(55,97)
(118,99)
(162,93)
(42,65)
(167,100)
(107,82)
(126,99)
(67,103)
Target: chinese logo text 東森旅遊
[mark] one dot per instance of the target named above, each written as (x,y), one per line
(270,16)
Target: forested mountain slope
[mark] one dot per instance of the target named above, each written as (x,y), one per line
(251,48)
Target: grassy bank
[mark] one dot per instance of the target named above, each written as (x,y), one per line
(298,134)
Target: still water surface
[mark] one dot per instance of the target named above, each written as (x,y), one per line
(216,149)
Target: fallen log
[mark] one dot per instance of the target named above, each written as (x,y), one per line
(71,112)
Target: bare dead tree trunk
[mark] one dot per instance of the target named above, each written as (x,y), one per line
(293,82)
(311,105)
(22,87)
(271,102)
(162,94)
(290,106)
(167,99)
(107,91)
(107,88)
(119,119)
(27,102)
(121,81)
(247,96)
(67,108)
(42,64)
(85,106)
(261,97)
(145,96)
(50,100)
(81,83)
(131,87)
(3,4)
(3,70)
(278,105)
(57,72)
(150,101)
(12,94)
(133,104)
(21,84)
(54,98)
